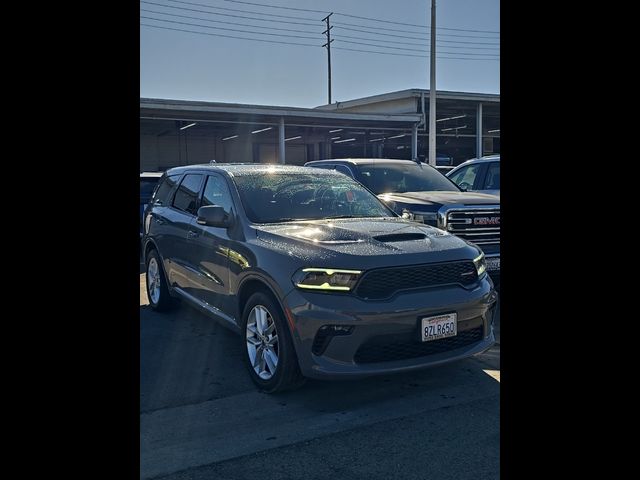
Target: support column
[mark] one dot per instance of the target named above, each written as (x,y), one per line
(366,143)
(414,142)
(281,157)
(479,131)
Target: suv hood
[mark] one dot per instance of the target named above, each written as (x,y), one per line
(442,198)
(357,238)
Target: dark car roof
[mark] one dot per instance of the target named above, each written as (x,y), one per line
(364,161)
(238,169)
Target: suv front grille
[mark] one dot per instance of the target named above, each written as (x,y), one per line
(382,349)
(385,282)
(480,226)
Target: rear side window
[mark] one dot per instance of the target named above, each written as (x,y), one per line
(186,198)
(162,193)
(493,177)
(466,176)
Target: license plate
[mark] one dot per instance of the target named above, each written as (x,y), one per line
(493,263)
(440,326)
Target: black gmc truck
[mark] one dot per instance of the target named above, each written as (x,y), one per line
(418,191)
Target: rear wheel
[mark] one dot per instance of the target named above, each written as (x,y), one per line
(157,290)
(269,352)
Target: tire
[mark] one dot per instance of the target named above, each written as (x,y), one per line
(160,299)
(287,374)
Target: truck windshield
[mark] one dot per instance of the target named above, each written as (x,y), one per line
(403,177)
(280,197)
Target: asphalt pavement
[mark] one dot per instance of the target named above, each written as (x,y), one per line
(202,418)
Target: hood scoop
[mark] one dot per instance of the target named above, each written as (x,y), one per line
(400,237)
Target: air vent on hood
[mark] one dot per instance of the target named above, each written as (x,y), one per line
(400,237)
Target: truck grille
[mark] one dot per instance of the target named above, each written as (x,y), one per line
(480,226)
(385,282)
(384,349)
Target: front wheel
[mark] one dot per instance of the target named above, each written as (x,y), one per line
(269,352)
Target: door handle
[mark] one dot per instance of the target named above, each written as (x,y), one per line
(192,234)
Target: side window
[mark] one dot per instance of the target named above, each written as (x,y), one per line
(162,193)
(493,177)
(466,177)
(186,198)
(216,192)
(345,170)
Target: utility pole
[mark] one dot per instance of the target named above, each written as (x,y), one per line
(432,88)
(328,45)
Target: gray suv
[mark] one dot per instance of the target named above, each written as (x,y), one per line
(318,276)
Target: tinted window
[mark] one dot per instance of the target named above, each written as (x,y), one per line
(216,192)
(400,178)
(493,176)
(186,198)
(343,169)
(162,194)
(466,177)
(147,185)
(279,197)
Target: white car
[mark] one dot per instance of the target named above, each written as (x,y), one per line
(478,175)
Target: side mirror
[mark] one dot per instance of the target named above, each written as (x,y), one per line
(464,186)
(213,216)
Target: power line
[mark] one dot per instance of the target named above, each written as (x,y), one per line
(415,25)
(415,50)
(228,14)
(260,40)
(241,11)
(376,32)
(417,44)
(356,16)
(229,36)
(223,22)
(229,29)
(397,36)
(324,12)
(416,33)
(410,55)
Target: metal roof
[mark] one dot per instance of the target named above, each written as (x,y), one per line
(186,110)
(413,93)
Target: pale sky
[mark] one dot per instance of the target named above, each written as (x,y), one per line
(192,66)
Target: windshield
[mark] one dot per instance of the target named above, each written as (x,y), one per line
(281,197)
(400,178)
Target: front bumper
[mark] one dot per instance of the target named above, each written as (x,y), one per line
(396,321)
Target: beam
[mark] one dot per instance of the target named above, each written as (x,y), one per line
(414,142)
(479,130)
(281,156)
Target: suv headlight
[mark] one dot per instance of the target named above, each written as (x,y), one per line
(326,279)
(481,264)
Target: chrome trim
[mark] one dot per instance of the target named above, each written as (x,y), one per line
(442,212)
(479,230)
(229,321)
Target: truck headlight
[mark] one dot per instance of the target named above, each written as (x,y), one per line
(429,218)
(326,279)
(481,264)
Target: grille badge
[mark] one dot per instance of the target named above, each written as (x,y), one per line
(486,221)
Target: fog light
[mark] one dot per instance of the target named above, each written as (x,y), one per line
(325,334)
